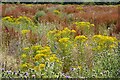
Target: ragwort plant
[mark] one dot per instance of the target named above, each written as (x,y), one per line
(45,63)
(106,58)
(61,44)
(84,28)
(64,43)
(20,23)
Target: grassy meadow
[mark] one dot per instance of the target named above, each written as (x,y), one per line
(59,41)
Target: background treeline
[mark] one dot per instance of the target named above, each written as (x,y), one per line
(86,3)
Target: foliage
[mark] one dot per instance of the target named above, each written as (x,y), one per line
(42,60)
(63,43)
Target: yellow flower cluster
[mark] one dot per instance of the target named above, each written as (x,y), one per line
(41,66)
(20,19)
(79,8)
(39,55)
(26,48)
(73,31)
(43,52)
(54,58)
(25,65)
(63,40)
(36,68)
(36,47)
(52,32)
(56,12)
(63,33)
(25,31)
(82,25)
(104,41)
(8,18)
(57,34)
(81,38)
(24,19)
(23,55)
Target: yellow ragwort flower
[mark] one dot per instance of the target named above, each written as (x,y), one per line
(105,41)
(92,25)
(41,66)
(23,55)
(25,31)
(24,65)
(52,59)
(56,12)
(79,67)
(44,51)
(8,18)
(26,48)
(38,56)
(73,31)
(81,38)
(79,8)
(36,47)
(63,40)
(36,68)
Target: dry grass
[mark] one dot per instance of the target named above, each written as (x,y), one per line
(6,61)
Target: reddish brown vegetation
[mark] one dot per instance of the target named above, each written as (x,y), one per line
(118,22)
(0,10)
(98,15)
(9,34)
(49,17)
(33,38)
(70,9)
